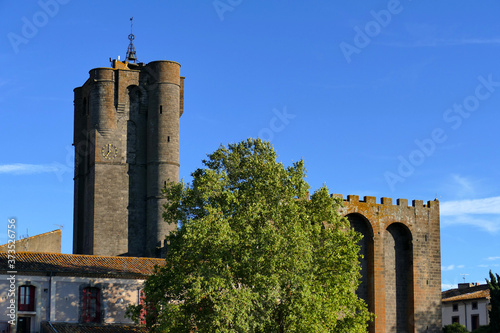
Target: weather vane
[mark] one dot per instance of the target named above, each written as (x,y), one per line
(131,54)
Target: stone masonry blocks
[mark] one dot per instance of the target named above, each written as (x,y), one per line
(406,261)
(126,139)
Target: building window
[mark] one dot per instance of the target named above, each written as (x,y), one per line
(26,298)
(91,310)
(23,325)
(85,107)
(474,305)
(474,319)
(455,319)
(455,307)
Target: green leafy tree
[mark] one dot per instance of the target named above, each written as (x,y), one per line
(455,328)
(483,329)
(494,285)
(254,254)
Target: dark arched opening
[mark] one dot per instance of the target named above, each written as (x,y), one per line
(136,159)
(365,289)
(398,278)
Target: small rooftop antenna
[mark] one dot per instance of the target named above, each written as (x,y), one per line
(131,55)
(463,275)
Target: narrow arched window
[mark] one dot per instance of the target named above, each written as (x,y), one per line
(85,107)
(26,298)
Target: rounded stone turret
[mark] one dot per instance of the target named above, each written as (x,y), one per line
(162,143)
(103,111)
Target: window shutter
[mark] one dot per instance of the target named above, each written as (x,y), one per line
(91,305)
(31,305)
(98,306)
(85,306)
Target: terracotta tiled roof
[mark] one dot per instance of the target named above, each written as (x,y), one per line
(474,295)
(89,328)
(474,292)
(80,265)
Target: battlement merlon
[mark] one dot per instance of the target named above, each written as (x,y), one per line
(369,200)
(162,65)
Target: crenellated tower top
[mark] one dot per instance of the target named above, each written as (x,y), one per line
(369,200)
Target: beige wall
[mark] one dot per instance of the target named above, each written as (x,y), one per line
(47,242)
(463,309)
(116,295)
(61,298)
(41,298)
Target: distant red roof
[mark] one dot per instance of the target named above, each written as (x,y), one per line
(461,294)
(33,263)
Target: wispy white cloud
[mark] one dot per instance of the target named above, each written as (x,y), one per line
(482,213)
(476,206)
(469,41)
(443,42)
(459,187)
(27,169)
(460,266)
(58,169)
(493,258)
(464,184)
(490,223)
(448,286)
(447,268)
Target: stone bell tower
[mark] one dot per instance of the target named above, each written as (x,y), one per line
(126,138)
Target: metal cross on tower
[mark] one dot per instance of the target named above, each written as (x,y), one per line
(131,55)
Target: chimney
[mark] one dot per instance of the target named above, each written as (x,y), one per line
(465,285)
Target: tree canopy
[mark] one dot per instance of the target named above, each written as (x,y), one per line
(254,252)
(455,328)
(494,285)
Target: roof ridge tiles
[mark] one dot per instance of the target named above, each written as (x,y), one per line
(83,264)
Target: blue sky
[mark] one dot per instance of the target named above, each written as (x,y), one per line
(392,98)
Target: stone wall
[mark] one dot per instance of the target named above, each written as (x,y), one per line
(46,242)
(126,150)
(59,299)
(401,267)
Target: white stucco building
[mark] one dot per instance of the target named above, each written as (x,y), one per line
(467,305)
(42,291)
